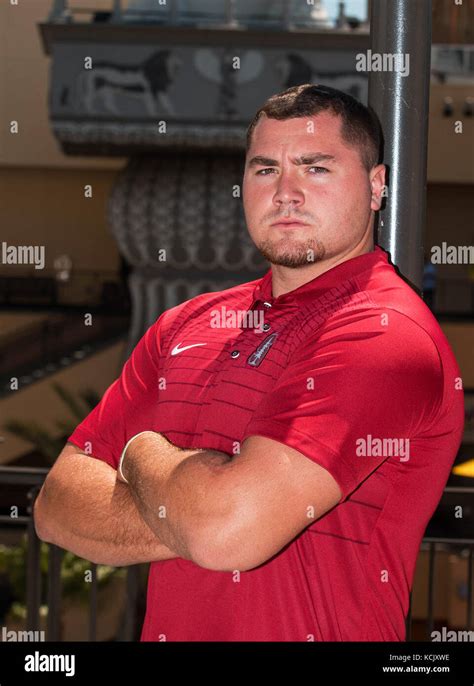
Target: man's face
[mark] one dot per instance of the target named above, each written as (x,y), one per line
(302,169)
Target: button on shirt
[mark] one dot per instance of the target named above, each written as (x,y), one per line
(353,371)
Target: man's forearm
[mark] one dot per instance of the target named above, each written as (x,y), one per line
(100,523)
(175,490)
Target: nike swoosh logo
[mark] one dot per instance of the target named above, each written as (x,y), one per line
(176,350)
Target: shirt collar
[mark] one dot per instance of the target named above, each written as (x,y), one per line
(320,284)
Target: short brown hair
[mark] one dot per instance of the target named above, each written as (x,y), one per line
(360,126)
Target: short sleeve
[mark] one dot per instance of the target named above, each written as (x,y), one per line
(128,404)
(368,375)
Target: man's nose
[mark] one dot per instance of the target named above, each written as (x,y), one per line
(288,191)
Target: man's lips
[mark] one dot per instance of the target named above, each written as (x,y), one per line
(289,222)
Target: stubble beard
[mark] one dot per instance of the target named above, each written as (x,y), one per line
(292,253)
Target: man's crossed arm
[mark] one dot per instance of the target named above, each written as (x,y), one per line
(226,513)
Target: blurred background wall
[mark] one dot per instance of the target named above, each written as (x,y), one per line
(87,176)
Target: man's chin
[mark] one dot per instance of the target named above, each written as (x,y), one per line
(295,259)
(290,261)
(293,251)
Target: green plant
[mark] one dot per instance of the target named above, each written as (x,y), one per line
(45,442)
(74,583)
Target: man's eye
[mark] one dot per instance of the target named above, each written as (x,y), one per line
(320,170)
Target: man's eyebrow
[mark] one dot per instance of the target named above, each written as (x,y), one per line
(308,158)
(313,157)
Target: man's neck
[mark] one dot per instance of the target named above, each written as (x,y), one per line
(286,279)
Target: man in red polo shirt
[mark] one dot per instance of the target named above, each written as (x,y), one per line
(276,449)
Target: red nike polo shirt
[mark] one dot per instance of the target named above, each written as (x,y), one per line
(352,370)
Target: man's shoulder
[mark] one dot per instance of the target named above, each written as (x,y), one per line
(394,317)
(235,296)
(412,319)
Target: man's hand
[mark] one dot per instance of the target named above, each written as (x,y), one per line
(82,508)
(161,444)
(178,510)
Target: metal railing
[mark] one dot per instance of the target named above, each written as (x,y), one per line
(32,480)
(56,289)
(433,545)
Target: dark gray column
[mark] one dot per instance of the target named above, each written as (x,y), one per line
(402,103)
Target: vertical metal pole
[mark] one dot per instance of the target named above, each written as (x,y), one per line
(401,102)
(54,593)
(132,590)
(93,605)
(33,568)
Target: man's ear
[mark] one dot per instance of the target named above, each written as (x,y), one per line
(377,186)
